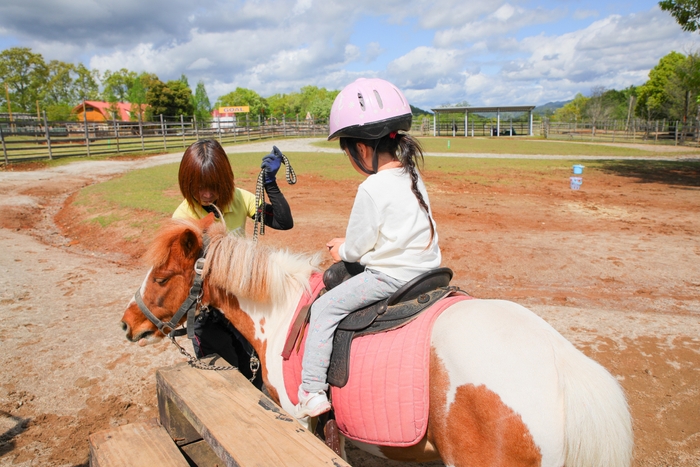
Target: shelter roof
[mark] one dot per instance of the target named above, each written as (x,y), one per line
(503,108)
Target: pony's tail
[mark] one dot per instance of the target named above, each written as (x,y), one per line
(598,426)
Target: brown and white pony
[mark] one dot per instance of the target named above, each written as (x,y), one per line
(506,389)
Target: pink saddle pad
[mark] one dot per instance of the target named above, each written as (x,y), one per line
(386,399)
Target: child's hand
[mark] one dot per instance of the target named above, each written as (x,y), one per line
(333,247)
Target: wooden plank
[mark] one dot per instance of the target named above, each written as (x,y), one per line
(243,426)
(201,454)
(135,445)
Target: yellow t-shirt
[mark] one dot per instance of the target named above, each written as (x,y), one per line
(235,214)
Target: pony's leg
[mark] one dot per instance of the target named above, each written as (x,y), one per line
(476,429)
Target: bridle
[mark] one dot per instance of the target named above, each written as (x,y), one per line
(190,307)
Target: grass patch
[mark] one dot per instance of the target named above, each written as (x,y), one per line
(106,220)
(525,146)
(156,189)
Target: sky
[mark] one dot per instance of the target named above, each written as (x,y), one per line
(439,52)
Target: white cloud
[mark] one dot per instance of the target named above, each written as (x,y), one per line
(505,20)
(484,52)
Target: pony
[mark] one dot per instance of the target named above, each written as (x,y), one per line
(505,388)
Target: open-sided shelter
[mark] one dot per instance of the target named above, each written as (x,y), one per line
(481,110)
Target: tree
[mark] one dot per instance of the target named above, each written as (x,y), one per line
(201,104)
(85,85)
(25,73)
(243,96)
(572,111)
(169,99)
(117,84)
(59,85)
(686,12)
(653,98)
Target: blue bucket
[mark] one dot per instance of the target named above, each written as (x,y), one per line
(576,182)
(578,169)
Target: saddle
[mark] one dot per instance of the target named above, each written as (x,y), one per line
(400,308)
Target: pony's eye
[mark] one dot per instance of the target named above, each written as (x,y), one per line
(160,280)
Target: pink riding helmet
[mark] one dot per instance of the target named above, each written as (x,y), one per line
(369,109)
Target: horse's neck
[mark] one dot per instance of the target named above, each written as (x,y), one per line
(265,326)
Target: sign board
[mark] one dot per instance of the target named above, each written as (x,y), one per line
(234,109)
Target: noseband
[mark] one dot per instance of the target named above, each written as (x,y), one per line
(190,306)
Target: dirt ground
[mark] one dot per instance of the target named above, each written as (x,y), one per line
(615,267)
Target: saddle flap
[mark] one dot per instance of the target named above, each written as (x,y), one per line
(426,282)
(363,317)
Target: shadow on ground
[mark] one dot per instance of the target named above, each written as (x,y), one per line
(679,173)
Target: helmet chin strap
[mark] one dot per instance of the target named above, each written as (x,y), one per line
(361,164)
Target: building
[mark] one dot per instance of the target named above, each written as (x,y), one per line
(98,111)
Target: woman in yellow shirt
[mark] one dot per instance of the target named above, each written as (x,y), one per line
(206,179)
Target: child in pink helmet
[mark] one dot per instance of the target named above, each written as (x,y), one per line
(391,231)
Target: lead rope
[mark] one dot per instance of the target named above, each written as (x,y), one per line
(197,363)
(290,175)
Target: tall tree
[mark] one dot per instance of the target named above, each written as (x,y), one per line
(201,103)
(686,12)
(117,84)
(59,85)
(169,99)
(653,98)
(25,73)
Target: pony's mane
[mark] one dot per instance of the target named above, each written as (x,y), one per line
(237,265)
(253,271)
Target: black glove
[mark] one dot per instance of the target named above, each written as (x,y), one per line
(271,164)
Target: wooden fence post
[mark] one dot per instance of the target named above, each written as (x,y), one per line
(87,135)
(196,128)
(116,133)
(218,126)
(162,130)
(182,127)
(247,126)
(48,136)
(141,132)
(4,149)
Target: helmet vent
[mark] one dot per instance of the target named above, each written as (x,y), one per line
(400,98)
(361,100)
(379,99)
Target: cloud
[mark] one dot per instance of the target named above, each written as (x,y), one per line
(484,52)
(500,22)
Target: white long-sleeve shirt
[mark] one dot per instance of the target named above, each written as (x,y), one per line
(388,231)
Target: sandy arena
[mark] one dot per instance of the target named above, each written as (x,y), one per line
(615,267)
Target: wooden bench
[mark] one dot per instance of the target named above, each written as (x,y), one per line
(215,418)
(143,444)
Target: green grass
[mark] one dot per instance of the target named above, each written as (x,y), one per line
(526,146)
(156,189)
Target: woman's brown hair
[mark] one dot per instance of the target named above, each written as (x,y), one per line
(205,165)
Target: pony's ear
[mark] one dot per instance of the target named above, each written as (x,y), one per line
(190,244)
(207,221)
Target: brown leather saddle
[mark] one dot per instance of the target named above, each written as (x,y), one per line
(403,306)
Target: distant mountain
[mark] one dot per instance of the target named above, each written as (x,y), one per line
(549,107)
(416,111)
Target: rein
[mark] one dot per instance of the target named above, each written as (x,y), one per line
(191,305)
(290,175)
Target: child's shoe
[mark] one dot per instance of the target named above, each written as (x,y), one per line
(312,404)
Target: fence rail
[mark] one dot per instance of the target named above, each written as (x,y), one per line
(637,131)
(30,140)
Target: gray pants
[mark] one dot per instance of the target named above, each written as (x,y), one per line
(326,312)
